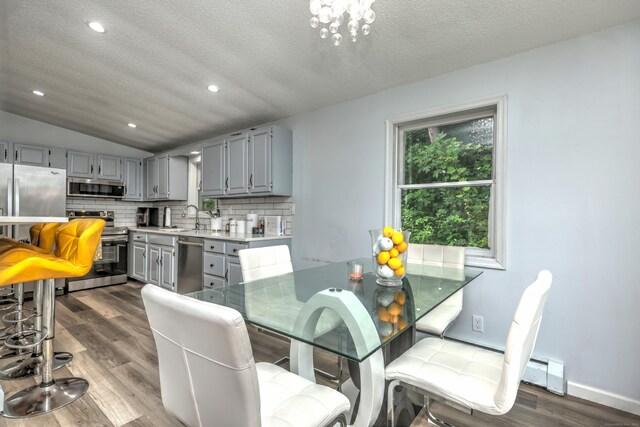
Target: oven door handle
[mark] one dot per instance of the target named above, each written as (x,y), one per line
(115,239)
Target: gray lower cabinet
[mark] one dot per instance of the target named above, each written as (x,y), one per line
(152,259)
(221,264)
(138,260)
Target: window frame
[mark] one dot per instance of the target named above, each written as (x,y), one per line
(494,258)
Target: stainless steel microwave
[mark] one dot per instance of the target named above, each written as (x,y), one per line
(81,187)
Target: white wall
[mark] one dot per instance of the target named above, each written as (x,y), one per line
(18,129)
(573,194)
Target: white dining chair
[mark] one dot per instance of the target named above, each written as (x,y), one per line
(451,259)
(208,376)
(473,378)
(271,261)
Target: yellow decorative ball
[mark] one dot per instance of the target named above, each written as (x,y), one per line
(383,257)
(397,238)
(394,263)
(387,231)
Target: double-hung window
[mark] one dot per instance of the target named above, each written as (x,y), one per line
(446,178)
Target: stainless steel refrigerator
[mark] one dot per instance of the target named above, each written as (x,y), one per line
(30,191)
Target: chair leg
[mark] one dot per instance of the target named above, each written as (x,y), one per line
(437,421)
(19,294)
(390,403)
(50,394)
(31,365)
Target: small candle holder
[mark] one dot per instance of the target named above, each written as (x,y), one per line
(355,271)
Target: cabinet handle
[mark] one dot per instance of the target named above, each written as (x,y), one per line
(251,181)
(226,275)
(16,155)
(226,184)
(235,250)
(91,168)
(99,169)
(211,265)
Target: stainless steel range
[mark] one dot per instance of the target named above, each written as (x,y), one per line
(110,265)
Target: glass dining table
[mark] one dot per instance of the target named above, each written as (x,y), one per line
(356,319)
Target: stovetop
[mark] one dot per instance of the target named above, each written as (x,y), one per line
(108,216)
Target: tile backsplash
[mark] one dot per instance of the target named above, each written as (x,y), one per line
(125,212)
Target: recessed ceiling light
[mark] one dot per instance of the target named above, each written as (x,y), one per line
(37,92)
(96,26)
(132,125)
(213,88)
(195,152)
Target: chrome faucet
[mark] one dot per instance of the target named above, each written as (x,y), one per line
(184,213)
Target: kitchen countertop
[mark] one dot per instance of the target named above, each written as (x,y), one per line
(207,234)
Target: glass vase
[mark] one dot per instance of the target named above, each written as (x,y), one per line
(389,255)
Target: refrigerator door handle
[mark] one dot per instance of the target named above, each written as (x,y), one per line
(17,191)
(9,196)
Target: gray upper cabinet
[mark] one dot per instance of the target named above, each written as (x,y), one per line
(109,167)
(4,152)
(31,155)
(151,178)
(213,169)
(237,165)
(166,178)
(260,161)
(89,165)
(163,177)
(58,157)
(80,164)
(132,177)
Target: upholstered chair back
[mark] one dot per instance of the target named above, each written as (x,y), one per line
(522,339)
(207,371)
(260,263)
(77,241)
(43,235)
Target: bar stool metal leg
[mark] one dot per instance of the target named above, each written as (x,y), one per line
(31,366)
(50,394)
(19,294)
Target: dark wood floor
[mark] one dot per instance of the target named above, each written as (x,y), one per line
(107,331)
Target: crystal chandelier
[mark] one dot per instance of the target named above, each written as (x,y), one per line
(332,11)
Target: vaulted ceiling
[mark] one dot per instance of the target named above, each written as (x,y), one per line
(156,59)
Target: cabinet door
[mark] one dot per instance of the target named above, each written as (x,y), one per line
(167,267)
(234,272)
(31,155)
(139,261)
(4,152)
(58,157)
(109,167)
(260,161)
(162,189)
(132,177)
(237,164)
(151,174)
(154,265)
(213,169)
(80,164)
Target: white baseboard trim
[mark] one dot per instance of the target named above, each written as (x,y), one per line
(603,397)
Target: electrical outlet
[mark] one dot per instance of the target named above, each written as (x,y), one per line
(478,324)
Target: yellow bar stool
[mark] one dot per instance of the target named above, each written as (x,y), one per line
(42,240)
(76,244)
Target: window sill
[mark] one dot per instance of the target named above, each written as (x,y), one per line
(481,262)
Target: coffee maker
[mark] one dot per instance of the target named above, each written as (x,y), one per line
(147,217)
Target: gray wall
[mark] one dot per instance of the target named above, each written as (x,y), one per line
(573,186)
(14,128)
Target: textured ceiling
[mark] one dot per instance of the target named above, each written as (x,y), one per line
(156,59)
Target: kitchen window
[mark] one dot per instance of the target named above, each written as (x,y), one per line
(446,178)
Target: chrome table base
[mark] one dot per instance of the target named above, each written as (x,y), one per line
(41,399)
(32,366)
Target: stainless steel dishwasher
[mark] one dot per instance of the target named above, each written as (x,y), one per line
(189,265)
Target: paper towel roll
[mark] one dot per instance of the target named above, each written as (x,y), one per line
(252,219)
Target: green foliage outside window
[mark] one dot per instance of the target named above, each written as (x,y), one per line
(455,216)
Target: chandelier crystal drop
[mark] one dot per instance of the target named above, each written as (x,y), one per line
(329,15)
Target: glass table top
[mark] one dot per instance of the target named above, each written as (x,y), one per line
(275,303)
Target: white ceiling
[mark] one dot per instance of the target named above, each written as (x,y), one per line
(154,63)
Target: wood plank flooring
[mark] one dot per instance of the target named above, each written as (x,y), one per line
(106,329)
